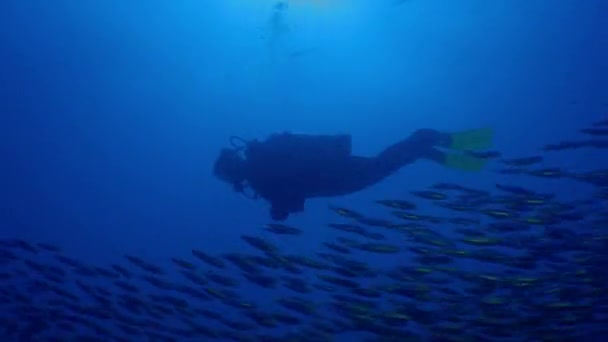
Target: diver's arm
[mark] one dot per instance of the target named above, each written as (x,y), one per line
(280,209)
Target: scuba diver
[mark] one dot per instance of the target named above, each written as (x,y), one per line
(278,28)
(287,169)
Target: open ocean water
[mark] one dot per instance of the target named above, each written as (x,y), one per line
(113,226)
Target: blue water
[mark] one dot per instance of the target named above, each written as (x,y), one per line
(113,112)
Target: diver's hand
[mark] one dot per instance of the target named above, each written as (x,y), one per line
(278,214)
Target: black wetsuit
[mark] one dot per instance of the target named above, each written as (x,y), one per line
(286,169)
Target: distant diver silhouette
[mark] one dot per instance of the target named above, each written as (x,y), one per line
(278,27)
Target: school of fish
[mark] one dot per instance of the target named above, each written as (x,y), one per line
(501,264)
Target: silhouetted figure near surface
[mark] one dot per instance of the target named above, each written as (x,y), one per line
(286,169)
(278,27)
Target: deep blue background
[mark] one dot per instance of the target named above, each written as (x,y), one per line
(112,112)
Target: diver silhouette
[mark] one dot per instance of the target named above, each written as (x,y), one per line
(278,27)
(287,169)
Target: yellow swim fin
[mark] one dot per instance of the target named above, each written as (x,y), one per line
(475,139)
(464,162)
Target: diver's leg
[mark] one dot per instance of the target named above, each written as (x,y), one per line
(362,172)
(423,144)
(419,145)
